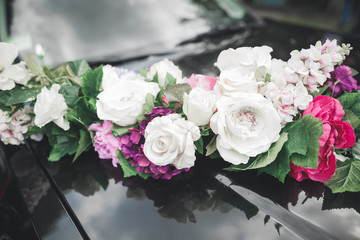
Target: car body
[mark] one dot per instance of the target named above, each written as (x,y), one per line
(90,199)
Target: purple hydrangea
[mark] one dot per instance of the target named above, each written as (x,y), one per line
(132,149)
(342,81)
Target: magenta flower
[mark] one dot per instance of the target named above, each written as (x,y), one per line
(104,142)
(342,81)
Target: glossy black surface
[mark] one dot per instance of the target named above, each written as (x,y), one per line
(195,206)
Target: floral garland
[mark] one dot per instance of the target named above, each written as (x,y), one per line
(298,118)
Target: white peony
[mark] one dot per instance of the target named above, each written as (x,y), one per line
(199,106)
(242,69)
(123,102)
(170,140)
(246,124)
(11,74)
(50,106)
(162,68)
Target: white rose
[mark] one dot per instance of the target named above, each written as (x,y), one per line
(50,106)
(246,124)
(199,106)
(11,74)
(242,69)
(162,68)
(123,102)
(236,80)
(113,75)
(170,140)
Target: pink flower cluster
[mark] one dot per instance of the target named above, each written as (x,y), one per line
(104,141)
(13,127)
(314,65)
(337,134)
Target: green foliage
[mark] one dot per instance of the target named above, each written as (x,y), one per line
(147,107)
(309,158)
(84,143)
(301,145)
(21,95)
(199,145)
(175,92)
(169,79)
(351,105)
(211,147)
(70,93)
(82,113)
(119,131)
(91,82)
(263,159)
(346,178)
(79,67)
(63,145)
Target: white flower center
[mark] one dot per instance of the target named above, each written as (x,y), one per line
(127,98)
(247,121)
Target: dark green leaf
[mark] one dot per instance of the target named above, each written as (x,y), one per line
(341,200)
(84,143)
(22,95)
(91,82)
(127,168)
(64,145)
(264,159)
(266,219)
(346,178)
(82,114)
(70,93)
(351,118)
(79,67)
(199,144)
(314,128)
(147,107)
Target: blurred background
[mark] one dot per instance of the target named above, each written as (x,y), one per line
(118,32)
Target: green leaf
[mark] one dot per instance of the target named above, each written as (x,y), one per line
(175,92)
(79,67)
(128,169)
(64,145)
(84,143)
(22,95)
(346,178)
(351,118)
(82,113)
(143,72)
(211,147)
(264,159)
(147,107)
(348,99)
(321,91)
(70,93)
(294,148)
(199,144)
(205,130)
(310,159)
(156,78)
(169,79)
(91,82)
(119,131)
(33,66)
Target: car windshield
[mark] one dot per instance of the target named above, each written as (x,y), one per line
(111,29)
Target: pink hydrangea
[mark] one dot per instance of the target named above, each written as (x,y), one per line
(104,142)
(337,134)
